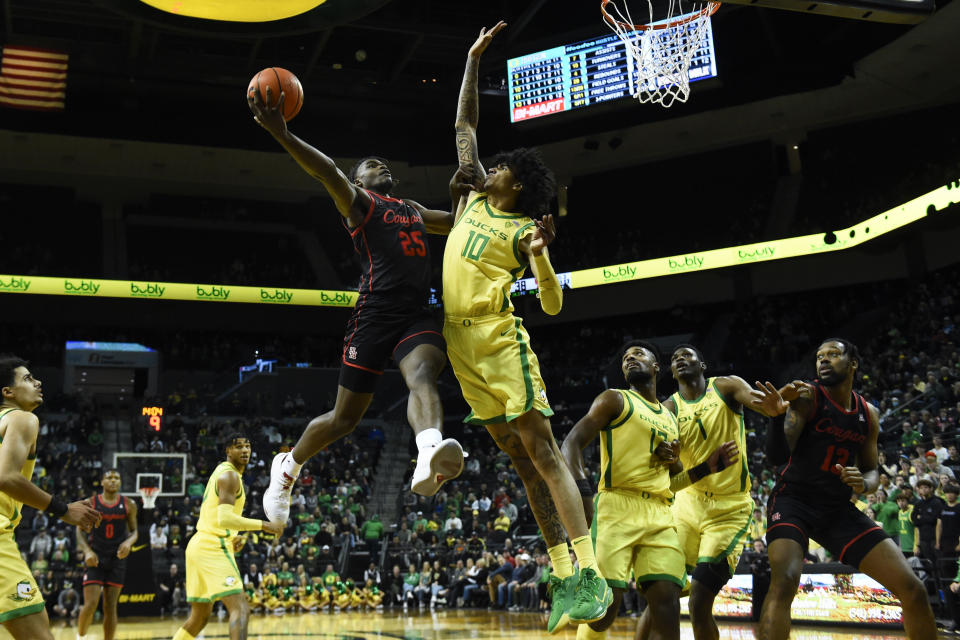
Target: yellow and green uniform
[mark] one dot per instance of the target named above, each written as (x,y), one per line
(373,596)
(19,594)
(907,529)
(488,346)
(211,568)
(713,515)
(632,529)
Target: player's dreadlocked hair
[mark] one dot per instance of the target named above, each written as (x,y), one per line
(8,364)
(539,185)
(352,175)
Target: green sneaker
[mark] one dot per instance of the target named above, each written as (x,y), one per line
(591,598)
(561,597)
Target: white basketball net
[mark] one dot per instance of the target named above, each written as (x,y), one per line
(659,56)
(149,496)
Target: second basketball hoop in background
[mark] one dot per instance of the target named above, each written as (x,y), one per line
(661,41)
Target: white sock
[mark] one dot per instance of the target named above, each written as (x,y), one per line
(290,466)
(428,438)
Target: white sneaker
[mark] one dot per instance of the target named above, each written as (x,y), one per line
(435,466)
(276,499)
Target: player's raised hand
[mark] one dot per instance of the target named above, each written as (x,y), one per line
(852,477)
(465,180)
(545,234)
(766,399)
(274,528)
(725,455)
(484,39)
(81,514)
(270,118)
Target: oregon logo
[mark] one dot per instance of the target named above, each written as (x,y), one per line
(25,591)
(685,263)
(230,581)
(147,289)
(760,253)
(212,293)
(277,295)
(21,285)
(338,298)
(83,287)
(621,272)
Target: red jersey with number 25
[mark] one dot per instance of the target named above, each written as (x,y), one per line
(113,525)
(831,436)
(395,258)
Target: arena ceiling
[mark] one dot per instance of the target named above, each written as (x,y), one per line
(391,75)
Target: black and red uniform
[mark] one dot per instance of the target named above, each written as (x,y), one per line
(104,540)
(810,500)
(391,316)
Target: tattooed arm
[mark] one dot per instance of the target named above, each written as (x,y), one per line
(604,409)
(468,106)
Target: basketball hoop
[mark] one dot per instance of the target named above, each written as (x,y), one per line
(149,496)
(659,51)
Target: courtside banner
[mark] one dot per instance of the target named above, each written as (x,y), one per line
(96,288)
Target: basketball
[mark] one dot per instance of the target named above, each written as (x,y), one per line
(278,80)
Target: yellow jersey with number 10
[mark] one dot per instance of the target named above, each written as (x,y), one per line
(705,424)
(482,260)
(211,500)
(627,445)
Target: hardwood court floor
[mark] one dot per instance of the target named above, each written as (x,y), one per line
(442,625)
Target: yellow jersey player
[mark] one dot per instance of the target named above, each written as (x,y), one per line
(713,515)
(22,610)
(212,572)
(633,529)
(493,238)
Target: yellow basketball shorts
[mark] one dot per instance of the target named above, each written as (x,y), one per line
(19,594)
(211,568)
(712,528)
(499,373)
(634,533)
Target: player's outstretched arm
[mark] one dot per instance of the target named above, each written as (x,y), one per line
(468,107)
(228,486)
(21,434)
(606,406)
(865,477)
(124,549)
(534,246)
(783,432)
(350,201)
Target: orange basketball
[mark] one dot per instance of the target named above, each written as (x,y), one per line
(279,80)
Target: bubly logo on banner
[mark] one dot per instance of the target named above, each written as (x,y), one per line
(622,272)
(760,253)
(82,287)
(342,299)
(19,285)
(685,263)
(213,293)
(147,289)
(276,295)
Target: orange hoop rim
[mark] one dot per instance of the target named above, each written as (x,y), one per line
(708,10)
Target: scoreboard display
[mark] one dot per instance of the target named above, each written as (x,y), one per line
(582,74)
